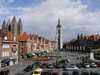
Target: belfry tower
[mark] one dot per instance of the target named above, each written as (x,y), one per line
(59,36)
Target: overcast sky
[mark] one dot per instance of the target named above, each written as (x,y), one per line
(40,16)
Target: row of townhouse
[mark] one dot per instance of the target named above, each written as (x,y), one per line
(12,45)
(33,42)
(83,43)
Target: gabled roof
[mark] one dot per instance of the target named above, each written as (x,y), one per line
(10,36)
(23,37)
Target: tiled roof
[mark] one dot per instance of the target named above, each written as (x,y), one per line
(23,37)
(10,36)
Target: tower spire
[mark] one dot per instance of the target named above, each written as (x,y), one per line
(19,29)
(59,25)
(3,29)
(58,20)
(14,25)
(4,26)
(59,35)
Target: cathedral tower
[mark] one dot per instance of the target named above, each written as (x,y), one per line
(4,28)
(8,26)
(19,28)
(14,26)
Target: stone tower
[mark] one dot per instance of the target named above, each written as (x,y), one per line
(8,26)
(19,28)
(59,36)
(4,28)
(14,26)
(3,25)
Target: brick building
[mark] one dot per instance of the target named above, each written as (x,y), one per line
(83,43)
(34,42)
(24,43)
(8,45)
(13,40)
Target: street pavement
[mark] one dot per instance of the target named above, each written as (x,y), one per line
(72,56)
(18,68)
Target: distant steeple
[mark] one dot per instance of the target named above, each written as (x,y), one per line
(19,26)
(13,25)
(14,19)
(78,36)
(8,22)
(3,29)
(81,36)
(59,25)
(7,26)
(3,25)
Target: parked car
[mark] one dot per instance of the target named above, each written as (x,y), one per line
(33,65)
(5,62)
(28,68)
(3,65)
(71,67)
(33,54)
(36,64)
(37,71)
(51,65)
(93,65)
(86,65)
(44,65)
(79,65)
(44,53)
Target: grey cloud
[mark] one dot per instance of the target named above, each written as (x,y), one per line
(74,16)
